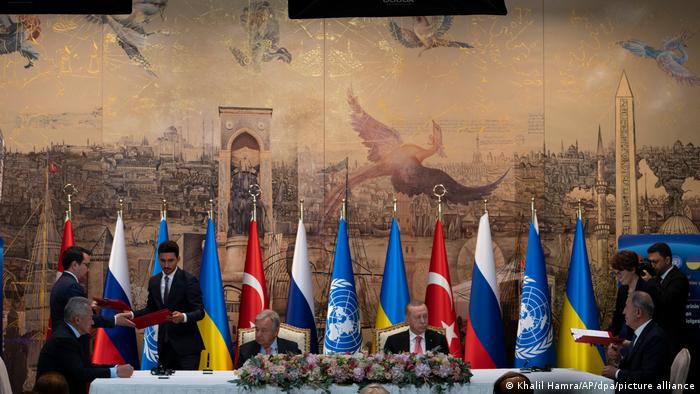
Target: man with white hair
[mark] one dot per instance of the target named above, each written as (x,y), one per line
(267,327)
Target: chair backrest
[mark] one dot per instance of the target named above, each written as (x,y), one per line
(381,334)
(679,368)
(300,336)
(5,387)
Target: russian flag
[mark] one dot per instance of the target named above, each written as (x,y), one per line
(484,342)
(300,308)
(116,345)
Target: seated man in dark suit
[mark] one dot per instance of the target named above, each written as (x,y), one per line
(179,341)
(417,339)
(75,262)
(647,361)
(63,353)
(267,326)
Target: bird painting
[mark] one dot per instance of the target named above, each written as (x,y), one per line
(389,156)
(670,57)
(131,30)
(426,32)
(19,36)
(263,30)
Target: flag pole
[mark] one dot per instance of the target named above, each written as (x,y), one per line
(393,214)
(120,211)
(439,191)
(164,209)
(486,210)
(532,209)
(69,190)
(254,191)
(342,210)
(580,215)
(210,212)
(301,210)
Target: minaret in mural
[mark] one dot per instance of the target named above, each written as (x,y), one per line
(602,228)
(625,161)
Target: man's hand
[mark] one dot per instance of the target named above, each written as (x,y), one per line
(178,317)
(645,275)
(125,370)
(124,319)
(609,372)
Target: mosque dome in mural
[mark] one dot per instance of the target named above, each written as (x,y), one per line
(678,224)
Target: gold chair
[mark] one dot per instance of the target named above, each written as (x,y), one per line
(300,336)
(381,334)
(679,369)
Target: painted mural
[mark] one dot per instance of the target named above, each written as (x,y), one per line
(190,101)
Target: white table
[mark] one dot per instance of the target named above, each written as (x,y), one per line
(191,382)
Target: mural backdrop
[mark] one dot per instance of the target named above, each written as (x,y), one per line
(190,101)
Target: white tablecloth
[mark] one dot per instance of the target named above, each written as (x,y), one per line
(191,382)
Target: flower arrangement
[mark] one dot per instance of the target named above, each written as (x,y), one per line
(437,370)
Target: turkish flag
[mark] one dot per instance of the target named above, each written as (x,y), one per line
(254,290)
(53,167)
(66,243)
(438,295)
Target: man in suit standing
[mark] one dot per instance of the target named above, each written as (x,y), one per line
(267,327)
(648,359)
(65,354)
(669,290)
(179,342)
(417,339)
(75,264)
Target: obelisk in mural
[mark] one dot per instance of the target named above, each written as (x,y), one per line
(602,228)
(625,168)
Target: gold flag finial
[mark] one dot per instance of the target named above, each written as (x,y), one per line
(394,206)
(211,209)
(254,191)
(342,209)
(301,210)
(439,191)
(532,208)
(580,212)
(164,209)
(486,209)
(120,211)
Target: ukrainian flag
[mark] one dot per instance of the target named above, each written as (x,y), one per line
(214,327)
(394,295)
(579,311)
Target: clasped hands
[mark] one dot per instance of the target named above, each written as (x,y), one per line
(613,356)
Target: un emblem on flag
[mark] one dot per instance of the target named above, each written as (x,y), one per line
(342,324)
(534,327)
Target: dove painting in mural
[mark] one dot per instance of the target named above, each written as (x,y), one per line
(263,30)
(19,36)
(390,156)
(670,57)
(130,30)
(425,32)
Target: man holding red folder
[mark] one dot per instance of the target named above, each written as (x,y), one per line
(178,292)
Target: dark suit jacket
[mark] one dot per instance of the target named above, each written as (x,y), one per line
(65,288)
(65,354)
(670,298)
(399,343)
(185,296)
(252,348)
(648,361)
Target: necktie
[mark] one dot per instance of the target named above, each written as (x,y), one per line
(634,339)
(419,348)
(167,290)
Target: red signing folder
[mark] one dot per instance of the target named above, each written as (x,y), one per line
(151,319)
(594,337)
(111,304)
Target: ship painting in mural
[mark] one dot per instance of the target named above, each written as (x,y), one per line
(19,36)
(130,31)
(670,58)
(263,30)
(425,32)
(390,156)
